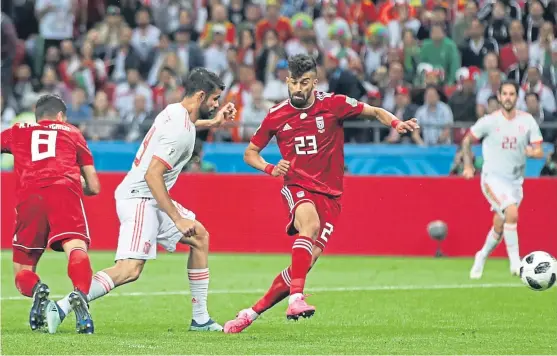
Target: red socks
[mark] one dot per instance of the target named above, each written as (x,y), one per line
(301,261)
(278,291)
(25,281)
(79,270)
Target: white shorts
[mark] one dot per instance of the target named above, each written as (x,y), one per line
(501,193)
(142,225)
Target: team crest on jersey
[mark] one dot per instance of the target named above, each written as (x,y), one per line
(351,101)
(146,247)
(320,124)
(521,129)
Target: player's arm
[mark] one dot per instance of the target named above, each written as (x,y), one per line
(386,118)
(155,180)
(479,130)
(535,149)
(90,180)
(226,113)
(252,155)
(6,138)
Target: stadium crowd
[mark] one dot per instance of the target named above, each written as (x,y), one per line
(117,63)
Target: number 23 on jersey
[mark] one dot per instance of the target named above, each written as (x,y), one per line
(305,145)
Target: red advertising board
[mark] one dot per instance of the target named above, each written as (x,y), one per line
(381,215)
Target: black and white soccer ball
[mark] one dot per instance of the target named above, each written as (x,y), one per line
(538,270)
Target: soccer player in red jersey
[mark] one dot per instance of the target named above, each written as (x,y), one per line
(51,157)
(309,133)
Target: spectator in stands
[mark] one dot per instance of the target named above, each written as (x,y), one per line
(156,58)
(105,120)
(219,18)
(86,71)
(123,57)
(550,166)
(458,163)
(541,49)
(491,89)
(442,52)
(329,17)
(186,19)
(396,80)
(126,92)
(111,27)
(438,16)
(463,101)
(24,86)
(492,105)
(52,58)
(550,70)
(166,85)
(403,110)
(79,111)
(477,47)
(137,122)
(254,112)
(490,63)
(276,89)
(215,53)
(411,55)
(145,36)
(374,52)
(435,119)
(535,108)
(462,24)
(509,8)
(498,25)
(246,47)
(268,56)
(51,85)
(342,81)
(397,26)
(8,46)
(190,54)
(507,54)
(535,84)
(517,71)
(533,21)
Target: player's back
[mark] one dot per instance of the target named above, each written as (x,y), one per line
(171,140)
(46,153)
(312,139)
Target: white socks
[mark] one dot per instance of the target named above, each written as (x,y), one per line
(100,285)
(511,240)
(294,297)
(199,286)
(491,241)
(251,314)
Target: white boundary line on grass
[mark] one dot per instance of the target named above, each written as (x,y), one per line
(315,289)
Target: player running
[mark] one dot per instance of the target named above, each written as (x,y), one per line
(50,158)
(309,133)
(509,137)
(147,213)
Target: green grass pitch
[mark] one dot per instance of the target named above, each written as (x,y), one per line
(365,305)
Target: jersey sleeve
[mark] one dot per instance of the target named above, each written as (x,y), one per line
(535,132)
(345,107)
(6,141)
(481,128)
(169,147)
(264,133)
(84,155)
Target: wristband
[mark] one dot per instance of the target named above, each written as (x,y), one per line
(269,169)
(395,123)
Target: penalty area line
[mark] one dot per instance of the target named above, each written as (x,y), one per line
(311,289)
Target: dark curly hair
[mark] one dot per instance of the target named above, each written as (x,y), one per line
(300,64)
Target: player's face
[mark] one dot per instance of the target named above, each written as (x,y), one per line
(508,97)
(301,89)
(209,105)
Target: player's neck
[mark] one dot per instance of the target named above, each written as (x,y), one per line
(190,107)
(509,115)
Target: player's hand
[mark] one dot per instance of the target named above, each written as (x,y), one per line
(281,168)
(407,126)
(186,227)
(226,113)
(468,172)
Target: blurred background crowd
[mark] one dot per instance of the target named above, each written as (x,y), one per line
(117,63)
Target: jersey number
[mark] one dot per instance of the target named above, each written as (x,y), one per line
(305,145)
(509,143)
(43,144)
(143,146)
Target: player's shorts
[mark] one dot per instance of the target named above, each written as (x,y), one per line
(142,225)
(328,208)
(501,192)
(47,217)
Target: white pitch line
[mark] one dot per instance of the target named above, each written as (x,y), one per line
(315,289)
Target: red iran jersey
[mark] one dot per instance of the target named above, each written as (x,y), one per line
(312,139)
(47,153)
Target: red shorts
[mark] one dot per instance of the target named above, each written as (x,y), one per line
(328,208)
(47,217)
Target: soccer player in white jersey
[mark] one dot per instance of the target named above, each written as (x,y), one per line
(147,213)
(509,137)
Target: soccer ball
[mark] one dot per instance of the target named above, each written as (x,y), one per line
(538,270)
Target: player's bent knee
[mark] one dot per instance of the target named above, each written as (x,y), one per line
(200,240)
(511,214)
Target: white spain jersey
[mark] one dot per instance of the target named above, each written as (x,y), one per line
(505,141)
(170,140)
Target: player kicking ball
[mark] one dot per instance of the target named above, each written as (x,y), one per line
(509,137)
(50,158)
(147,213)
(310,136)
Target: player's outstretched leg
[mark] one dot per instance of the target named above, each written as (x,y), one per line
(492,240)
(198,276)
(306,222)
(511,238)
(29,285)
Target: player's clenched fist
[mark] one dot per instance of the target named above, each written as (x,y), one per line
(408,125)
(281,168)
(226,113)
(186,227)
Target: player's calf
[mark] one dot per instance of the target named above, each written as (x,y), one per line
(79,266)
(510,234)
